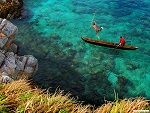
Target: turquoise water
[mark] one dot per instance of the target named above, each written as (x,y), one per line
(51,29)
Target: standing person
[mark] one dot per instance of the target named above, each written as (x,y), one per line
(96,28)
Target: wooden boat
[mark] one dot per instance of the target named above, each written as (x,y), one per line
(108,44)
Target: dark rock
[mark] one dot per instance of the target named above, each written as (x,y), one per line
(132,65)
(67,44)
(122,81)
(10,8)
(55,36)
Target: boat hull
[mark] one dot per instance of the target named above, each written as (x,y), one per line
(108,44)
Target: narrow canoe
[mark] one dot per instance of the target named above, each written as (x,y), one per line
(108,44)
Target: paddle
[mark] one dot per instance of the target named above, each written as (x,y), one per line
(92,20)
(116,47)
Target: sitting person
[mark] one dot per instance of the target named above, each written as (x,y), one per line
(96,28)
(122,41)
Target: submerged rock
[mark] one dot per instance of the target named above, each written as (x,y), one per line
(132,65)
(122,81)
(55,36)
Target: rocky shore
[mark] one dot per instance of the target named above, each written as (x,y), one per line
(12,66)
(10,9)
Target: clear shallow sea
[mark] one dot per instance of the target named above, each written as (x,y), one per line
(51,29)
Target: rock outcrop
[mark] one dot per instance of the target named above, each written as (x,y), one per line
(10,9)
(12,66)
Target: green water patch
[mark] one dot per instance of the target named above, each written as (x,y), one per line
(52,35)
